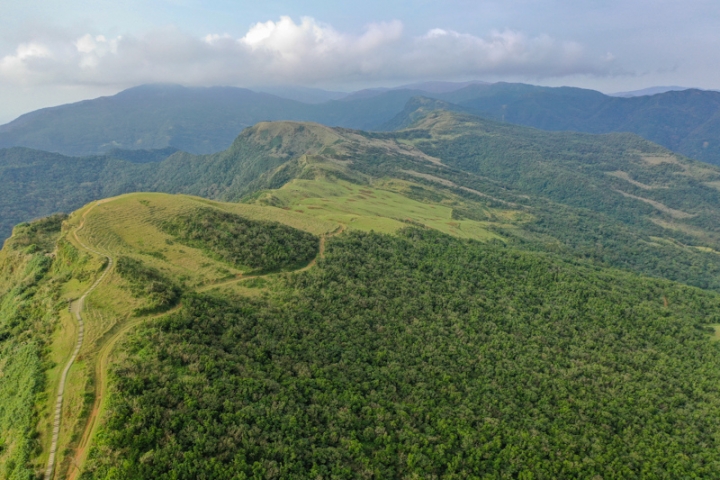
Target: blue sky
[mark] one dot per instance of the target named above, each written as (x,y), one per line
(53,51)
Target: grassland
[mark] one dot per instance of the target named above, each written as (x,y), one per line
(348,181)
(383,206)
(128,225)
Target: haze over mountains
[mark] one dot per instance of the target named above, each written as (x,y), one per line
(649,91)
(206,120)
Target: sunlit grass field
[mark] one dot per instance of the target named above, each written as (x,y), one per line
(380,207)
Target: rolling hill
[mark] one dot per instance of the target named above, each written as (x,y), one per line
(616,198)
(393,354)
(687,121)
(458,298)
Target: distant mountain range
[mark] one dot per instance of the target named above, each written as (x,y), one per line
(206,120)
(649,91)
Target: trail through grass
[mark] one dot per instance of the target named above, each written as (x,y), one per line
(76,309)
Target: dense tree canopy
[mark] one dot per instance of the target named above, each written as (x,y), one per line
(261,245)
(424,356)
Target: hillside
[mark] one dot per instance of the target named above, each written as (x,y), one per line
(48,262)
(415,353)
(459,298)
(616,199)
(37,184)
(196,120)
(207,120)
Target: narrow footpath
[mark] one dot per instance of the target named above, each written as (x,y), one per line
(101,382)
(102,361)
(76,309)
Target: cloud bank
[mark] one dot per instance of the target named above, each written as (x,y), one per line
(285,52)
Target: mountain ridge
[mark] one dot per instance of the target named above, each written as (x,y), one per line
(208,120)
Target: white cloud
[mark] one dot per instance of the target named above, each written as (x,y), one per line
(286,52)
(501,52)
(17,67)
(93,48)
(214,38)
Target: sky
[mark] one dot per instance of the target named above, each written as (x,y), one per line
(54,52)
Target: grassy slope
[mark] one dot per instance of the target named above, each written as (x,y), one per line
(127,225)
(381,206)
(38,274)
(607,198)
(588,195)
(32,361)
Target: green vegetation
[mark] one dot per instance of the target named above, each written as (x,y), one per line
(43,266)
(37,184)
(206,120)
(383,206)
(197,120)
(423,356)
(560,347)
(149,283)
(264,246)
(608,199)
(28,313)
(615,199)
(683,121)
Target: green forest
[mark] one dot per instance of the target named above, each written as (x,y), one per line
(423,356)
(149,283)
(261,245)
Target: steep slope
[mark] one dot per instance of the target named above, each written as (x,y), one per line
(37,184)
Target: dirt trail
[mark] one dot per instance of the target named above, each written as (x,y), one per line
(241,277)
(101,371)
(103,357)
(76,309)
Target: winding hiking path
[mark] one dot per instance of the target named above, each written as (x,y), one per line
(76,309)
(101,371)
(103,357)
(241,277)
